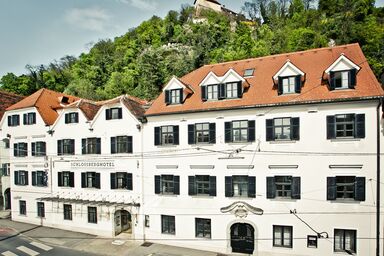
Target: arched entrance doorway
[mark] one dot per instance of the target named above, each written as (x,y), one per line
(7,199)
(242,238)
(122,222)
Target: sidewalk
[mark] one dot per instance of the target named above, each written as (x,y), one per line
(97,245)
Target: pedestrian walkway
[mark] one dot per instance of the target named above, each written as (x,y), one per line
(33,249)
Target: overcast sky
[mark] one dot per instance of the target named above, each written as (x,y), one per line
(39,31)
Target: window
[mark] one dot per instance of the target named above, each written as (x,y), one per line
(91,146)
(345,240)
(282,236)
(13,120)
(213,92)
(113,113)
(92,214)
(67,211)
(121,144)
(283,187)
(39,179)
(202,185)
(346,188)
(346,126)
(168,224)
(65,147)
(71,118)
(21,178)
(240,186)
(202,133)
(167,184)
(167,135)
(40,210)
(231,90)
(121,180)
(39,148)
(66,179)
(29,118)
(22,207)
(20,149)
(6,142)
(249,72)
(286,128)
(343,79)
(5,168)
(174,96)
(240,131)
(203,227)
(289,84)
(90,180)
(311,241)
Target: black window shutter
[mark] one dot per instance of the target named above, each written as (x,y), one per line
(25,119)
(34,179)
(360,189)
(9,121)
(352,79)
(83,180)
(271,187)
(222,91)
(157,136)
(108,115)
(15,149)
(298,84)
(251,130)
(34,118)
(331,127)
(295,128)
(203,93)
(251,186)
(120,113)
(175,135)
(97,179)
(113,145)
(228,131)
(167,97)
(181,95)
(212,133)
(296,192)
(113,180)
(98,146)
(130,144)
(331,80)
(176,185)
(360,126)
(157,184)
(212,185)
(191,134)
(228,186)
(17,119)
(72,179)
(280,86)
(16,177)
(191,186)
(239,89)
(129,181)
(59,147)
(269,131)
(67,118)
(43,149)
(26,177)
(45,179)
(76,117)
(72,143)
(331,188)
(33,149)
(59,179)
(84,146)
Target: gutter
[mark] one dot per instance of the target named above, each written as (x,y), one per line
(378,183)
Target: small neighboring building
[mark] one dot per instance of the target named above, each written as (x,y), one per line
(201,5)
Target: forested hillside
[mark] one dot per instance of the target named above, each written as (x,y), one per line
(146,57)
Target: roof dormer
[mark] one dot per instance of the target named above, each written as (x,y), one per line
(176,91)
(342,74)
(289,79)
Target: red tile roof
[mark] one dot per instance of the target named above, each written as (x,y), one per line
(8,99)
(46,102)
(89,108)
(262,90)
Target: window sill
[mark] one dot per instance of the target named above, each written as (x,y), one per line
(91,188)
(282,141)
(203,238)
(345,139)
(283,199)
(202,196)
(167,194)
(239,142)
(168,234)
(167,146)
(345,201)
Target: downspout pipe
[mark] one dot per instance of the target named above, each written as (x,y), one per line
(378,116)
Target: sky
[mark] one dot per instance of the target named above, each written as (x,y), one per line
(38,32)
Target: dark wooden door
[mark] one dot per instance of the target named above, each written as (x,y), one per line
(242,238)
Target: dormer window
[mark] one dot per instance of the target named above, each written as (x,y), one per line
(29,118)
(114,113)
(249,72)
(71,118)
(289,84)
(232,90)
(342,79)
(174,96)
(213,92)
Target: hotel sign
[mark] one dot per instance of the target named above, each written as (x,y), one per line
(93,164)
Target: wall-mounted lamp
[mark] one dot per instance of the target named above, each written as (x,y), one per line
(90,129)
(138,126)
(50,132)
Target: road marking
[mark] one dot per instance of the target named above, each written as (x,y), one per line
(27,251)
(9,253)
(41,246)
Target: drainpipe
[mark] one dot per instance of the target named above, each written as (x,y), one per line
(378,116)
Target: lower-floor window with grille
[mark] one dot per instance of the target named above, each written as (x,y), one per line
(168,224)
(40,209)
(282,236)
(22,207)
(68,212)
(92,214)
(345,240)
(203,228)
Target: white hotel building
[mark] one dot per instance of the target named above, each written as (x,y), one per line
(278,155)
